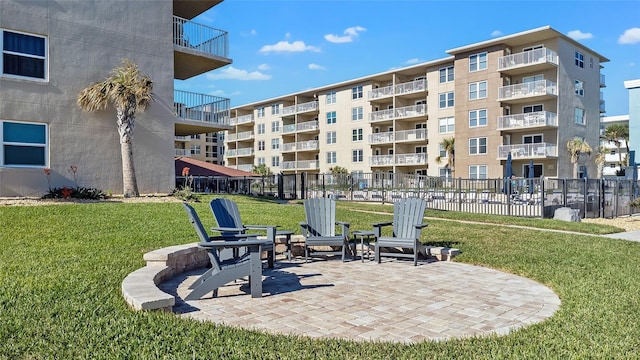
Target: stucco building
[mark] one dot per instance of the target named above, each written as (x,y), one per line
(51,50)
(525,94)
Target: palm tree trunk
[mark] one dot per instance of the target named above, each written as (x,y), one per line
(126,122)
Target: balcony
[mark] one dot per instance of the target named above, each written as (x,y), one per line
(602,103)
(289,110)
(412,87)
(528,61)
(300,165)
(307,126)
(245,167)
(381,93)
(411,135)
(183,152)
(183,138)
(527,92)
(309,145)
(410,111)
(240,136)
(197,48)
(411,159)
(602,81)
(289,129)
(381,138)
(240,152)
(528,151)
(539,119)
(243,119)
(200,113)
(382,115)
(191,9)
(306,107)
(381,160)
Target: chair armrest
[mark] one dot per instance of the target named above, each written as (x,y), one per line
(377,228)
(343,223)
(382,224)
(304,228)
(260,227)
(420,226)
(225,243)
(228,230)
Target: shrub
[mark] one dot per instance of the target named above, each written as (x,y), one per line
(185,194)
(75,193)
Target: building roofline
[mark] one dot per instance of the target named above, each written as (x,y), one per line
(615,118)
(503,39)
(630,84)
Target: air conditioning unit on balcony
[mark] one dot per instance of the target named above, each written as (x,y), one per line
(507,51)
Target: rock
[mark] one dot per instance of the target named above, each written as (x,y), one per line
(567,214)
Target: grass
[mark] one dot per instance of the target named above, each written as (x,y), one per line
(62,266)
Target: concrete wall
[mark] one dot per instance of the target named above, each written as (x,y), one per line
(86,39)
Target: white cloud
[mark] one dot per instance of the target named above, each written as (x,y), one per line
(349,35)
(495,33)
(630,36)
(412,61)
(316,67)
(253,32)
(237,74)
(579,35)
(263,67)
(285,46)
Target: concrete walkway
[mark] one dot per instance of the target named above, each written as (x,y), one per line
(629,235)
(393,301)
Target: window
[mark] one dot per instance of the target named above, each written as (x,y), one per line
(478,62)
(477,146)
(195,137)
(331,97)
(356,92)
(275,161)
(331,137)
(24,55)
(446,125)
(579,116)
(477,118)
(579,87)
(356,135)
(478,172)
(261,161)
(23,144)
(331,117)
(441,151)
(444,172)
(275,126)
(275,109)
(579,59)
(532,108)
(532,48)
(356,113)
(275,144)
(446,100)
(331,157)
(446,74)
(478,90)
(357,155)
(260,129)
(195,149)
(534,78)
(532,139)
(261,145)
(260,112)
(421,149)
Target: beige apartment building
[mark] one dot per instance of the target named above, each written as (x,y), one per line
(51,50)
(524,94)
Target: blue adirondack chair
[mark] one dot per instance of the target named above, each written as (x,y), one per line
(320,227)
(407,224)
(225,271)
(227,216)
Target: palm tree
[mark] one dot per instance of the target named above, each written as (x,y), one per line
(600,159)
(616,132)
(128,91)
(577,147)
(449,145)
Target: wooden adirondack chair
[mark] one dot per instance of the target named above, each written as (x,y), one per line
(407,224)
(225,271)
(227,216)
(320,228)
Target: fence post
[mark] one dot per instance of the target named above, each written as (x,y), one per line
(459,194)
(383,180)
(584,200)
(564,192)
(324,190)
(542,196)
(303,183)
(280,186)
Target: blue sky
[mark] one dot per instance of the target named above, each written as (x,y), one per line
(281,47)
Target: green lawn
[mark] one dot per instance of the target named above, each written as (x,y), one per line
(62,265)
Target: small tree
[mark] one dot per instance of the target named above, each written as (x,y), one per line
(128,91)
(599,158)
(616,133)
(577,147)
(265,172)
(449,145)
(340,174)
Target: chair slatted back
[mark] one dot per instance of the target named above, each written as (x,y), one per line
(226,213)
(406,214)
(321,216)
(202,233)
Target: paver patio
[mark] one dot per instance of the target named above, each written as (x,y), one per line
(393,301)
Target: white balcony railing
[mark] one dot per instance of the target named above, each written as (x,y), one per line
(528,120)
(381,138)
(411,87)
(381,115)
(381,160)
(603,83)
(245,167)
(201,107)
(527,58)
(308,106)
(183,138)
(240,136)
(381,92)
(528,89)
(288,147)
(536,150)
(289,128)
(243,119)
(198,37)
(240,152)
(308,164)
(301,146)
(410,111)
(411,135)
(308,125)
(411,159)
(288,165)
(289,110)
(183,152)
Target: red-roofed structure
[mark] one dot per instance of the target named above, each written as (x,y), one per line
(207,177)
